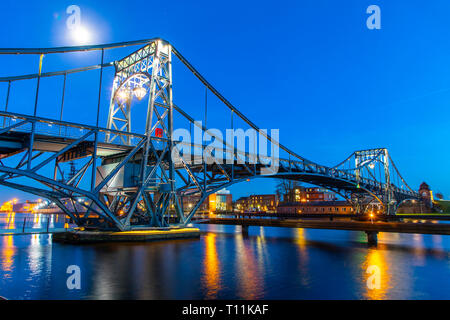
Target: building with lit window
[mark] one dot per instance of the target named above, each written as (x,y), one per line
(241,204)
(221,201)
(257,203)
(424,205)
(302,194)
(325,207)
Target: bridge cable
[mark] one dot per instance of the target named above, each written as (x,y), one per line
(63,97)
(41,57)
(7,101)
(55,73)
(206,126)
(62,102)
(229,105)
(77,48)
(100,86)
(232,164)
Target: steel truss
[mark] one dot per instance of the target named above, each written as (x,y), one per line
(147,72)
(145,177)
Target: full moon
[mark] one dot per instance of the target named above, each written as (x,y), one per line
(81,35)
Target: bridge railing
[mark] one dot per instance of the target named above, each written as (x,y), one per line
(20,223)
(54,128)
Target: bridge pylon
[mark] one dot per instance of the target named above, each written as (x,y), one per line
(377,179)
(147,73)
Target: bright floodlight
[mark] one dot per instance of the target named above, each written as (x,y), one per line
(139,92)
(123,95)
(81,35)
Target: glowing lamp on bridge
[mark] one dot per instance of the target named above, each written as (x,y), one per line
(123,95)
(139,92)
(158,132)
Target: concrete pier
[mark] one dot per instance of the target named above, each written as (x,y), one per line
(369,227)
(82,236)
(372,238)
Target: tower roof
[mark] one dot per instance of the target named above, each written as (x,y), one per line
(425,186)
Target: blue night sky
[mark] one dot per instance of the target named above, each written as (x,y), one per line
(309,68)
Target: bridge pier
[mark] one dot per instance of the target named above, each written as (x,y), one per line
(152,234)
(244,230)
(372,238)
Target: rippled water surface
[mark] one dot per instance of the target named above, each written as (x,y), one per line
(269,263)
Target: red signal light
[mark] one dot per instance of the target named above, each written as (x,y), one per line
(158,132)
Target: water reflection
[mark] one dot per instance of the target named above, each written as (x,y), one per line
(262,253)
(19,221)
(376,275)
(301,242)
(250,284)
(35,254)
(10,220)
(211,265)
(269,263)
(7,253)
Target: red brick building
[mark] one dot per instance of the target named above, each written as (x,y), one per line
(302,194)
(334,207)
(257,203)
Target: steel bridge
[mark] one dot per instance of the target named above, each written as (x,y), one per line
(128,180)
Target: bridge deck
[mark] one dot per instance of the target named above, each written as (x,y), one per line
(397,227)
(13,142)
(20,231)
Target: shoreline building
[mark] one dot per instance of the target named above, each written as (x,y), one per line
(221,201)
(257,203)
(309,194)
(313,200)
(425,205)
(316,207)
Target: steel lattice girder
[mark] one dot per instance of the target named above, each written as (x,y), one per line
(150,68)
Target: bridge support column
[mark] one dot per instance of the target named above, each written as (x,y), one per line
(372,238)
(244,230)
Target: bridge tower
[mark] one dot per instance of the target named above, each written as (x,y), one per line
(365,164)
(146,73)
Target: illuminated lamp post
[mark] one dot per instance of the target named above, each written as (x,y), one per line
(139,92)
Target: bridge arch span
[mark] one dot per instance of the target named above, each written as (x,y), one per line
(342,186)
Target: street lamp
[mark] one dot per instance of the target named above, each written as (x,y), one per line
(139,92)
(123,95)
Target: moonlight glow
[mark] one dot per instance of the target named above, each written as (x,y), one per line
(81,35)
